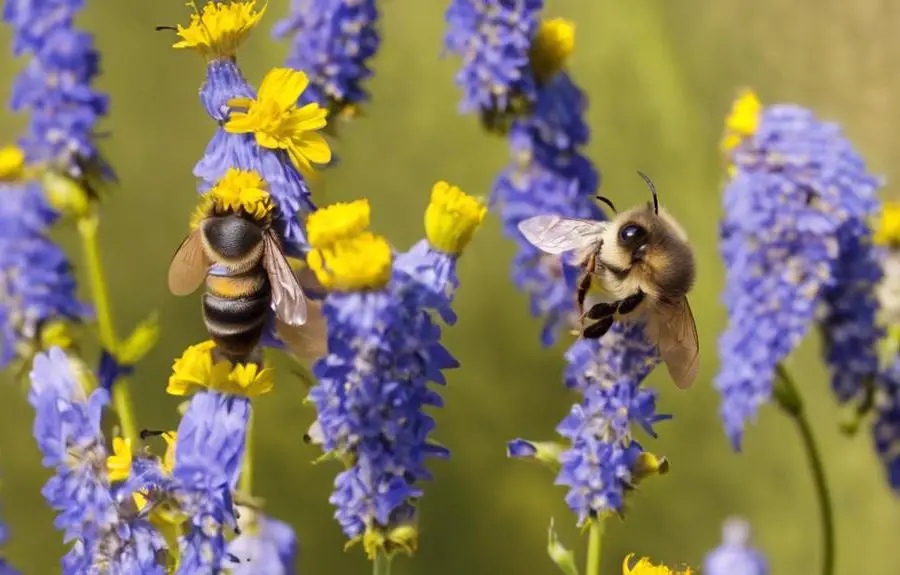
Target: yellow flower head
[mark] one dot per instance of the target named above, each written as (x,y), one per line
(242,190)
(888,231)
(362,262)
(340,221)
(452,218)
(195,370)
(118,465)
(12,163)
(218,30)
(645,567)
(552,46)
(278,124)
(743,120)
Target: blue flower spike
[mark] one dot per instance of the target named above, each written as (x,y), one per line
(333,42)
(735,556)
(383,350)
(799,253)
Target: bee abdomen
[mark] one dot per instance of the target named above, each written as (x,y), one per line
(236,324)
(251,284)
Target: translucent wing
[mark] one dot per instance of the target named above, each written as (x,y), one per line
(189,265)
(288,300)
(309,341)
(556,235)
(671,326)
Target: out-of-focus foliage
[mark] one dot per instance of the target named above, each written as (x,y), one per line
(660,76)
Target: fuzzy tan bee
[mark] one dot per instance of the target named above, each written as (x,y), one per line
(645,268)
(233,247)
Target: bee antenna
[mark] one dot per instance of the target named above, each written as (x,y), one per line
(608,202)
(652,191)
(161,28)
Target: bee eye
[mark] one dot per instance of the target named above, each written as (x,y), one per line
(632,233)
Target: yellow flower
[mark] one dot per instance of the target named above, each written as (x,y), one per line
(278,124)
(168,461)
(743,120)
(553,43)
(452,218)
(359,263)
(220,28)
(242,190)
(404,537)
(66,195)
(195,370)
(340,221)
(888,231)
(118,465)
(12,163)
(645,567)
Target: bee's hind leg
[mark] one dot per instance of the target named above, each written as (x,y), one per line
(599,329)
(630,303)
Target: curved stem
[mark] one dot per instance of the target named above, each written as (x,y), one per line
(595,546)
(382,564)
(87,229)
(788,399)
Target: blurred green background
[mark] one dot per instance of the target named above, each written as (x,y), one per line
(661,76)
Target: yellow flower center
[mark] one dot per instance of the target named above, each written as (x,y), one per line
(452,218)
(278,124)
(12,163)
(337,222)
(888,231)
(553,44)
(219,29)
(195,370)
(645,567)
(118,465)
(361,262)
(242,190)
(742,122)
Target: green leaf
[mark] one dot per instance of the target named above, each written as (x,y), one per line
(558,553)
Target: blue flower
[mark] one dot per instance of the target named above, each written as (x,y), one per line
(108,532)
(494,41)
(333,42)
(265,546)
(795,237)
(886,427)
(55,87)
(5,567)
(384,349)
(735,556)
(208,456)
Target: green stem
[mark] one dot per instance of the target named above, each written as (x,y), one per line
(87,228)
(246,484)
(788,399)
(382,564)
(595,546)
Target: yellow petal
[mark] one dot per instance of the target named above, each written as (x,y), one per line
(239,123)
(282,86)
(315,148)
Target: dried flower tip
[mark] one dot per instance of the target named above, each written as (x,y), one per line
(404,537)
(12,163)
(278,124)
(645,567)
(219,29)
(452,218)
(359,263)
(337,222)
(553,44)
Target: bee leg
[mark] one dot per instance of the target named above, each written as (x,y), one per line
(599,329)
(601,310)
(629,304)
(584,284)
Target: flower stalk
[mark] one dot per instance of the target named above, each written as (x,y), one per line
(595,547)
(787,397)
(382,564)
(87,229)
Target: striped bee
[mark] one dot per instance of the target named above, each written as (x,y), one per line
(234,248)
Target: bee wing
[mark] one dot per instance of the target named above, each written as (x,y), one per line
(189,265)
(309,341)
(556,235)
(288,300)
(671,326)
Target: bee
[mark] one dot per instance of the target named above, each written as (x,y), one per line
(645,267)
(247,274)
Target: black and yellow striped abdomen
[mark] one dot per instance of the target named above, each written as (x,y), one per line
(235,309)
